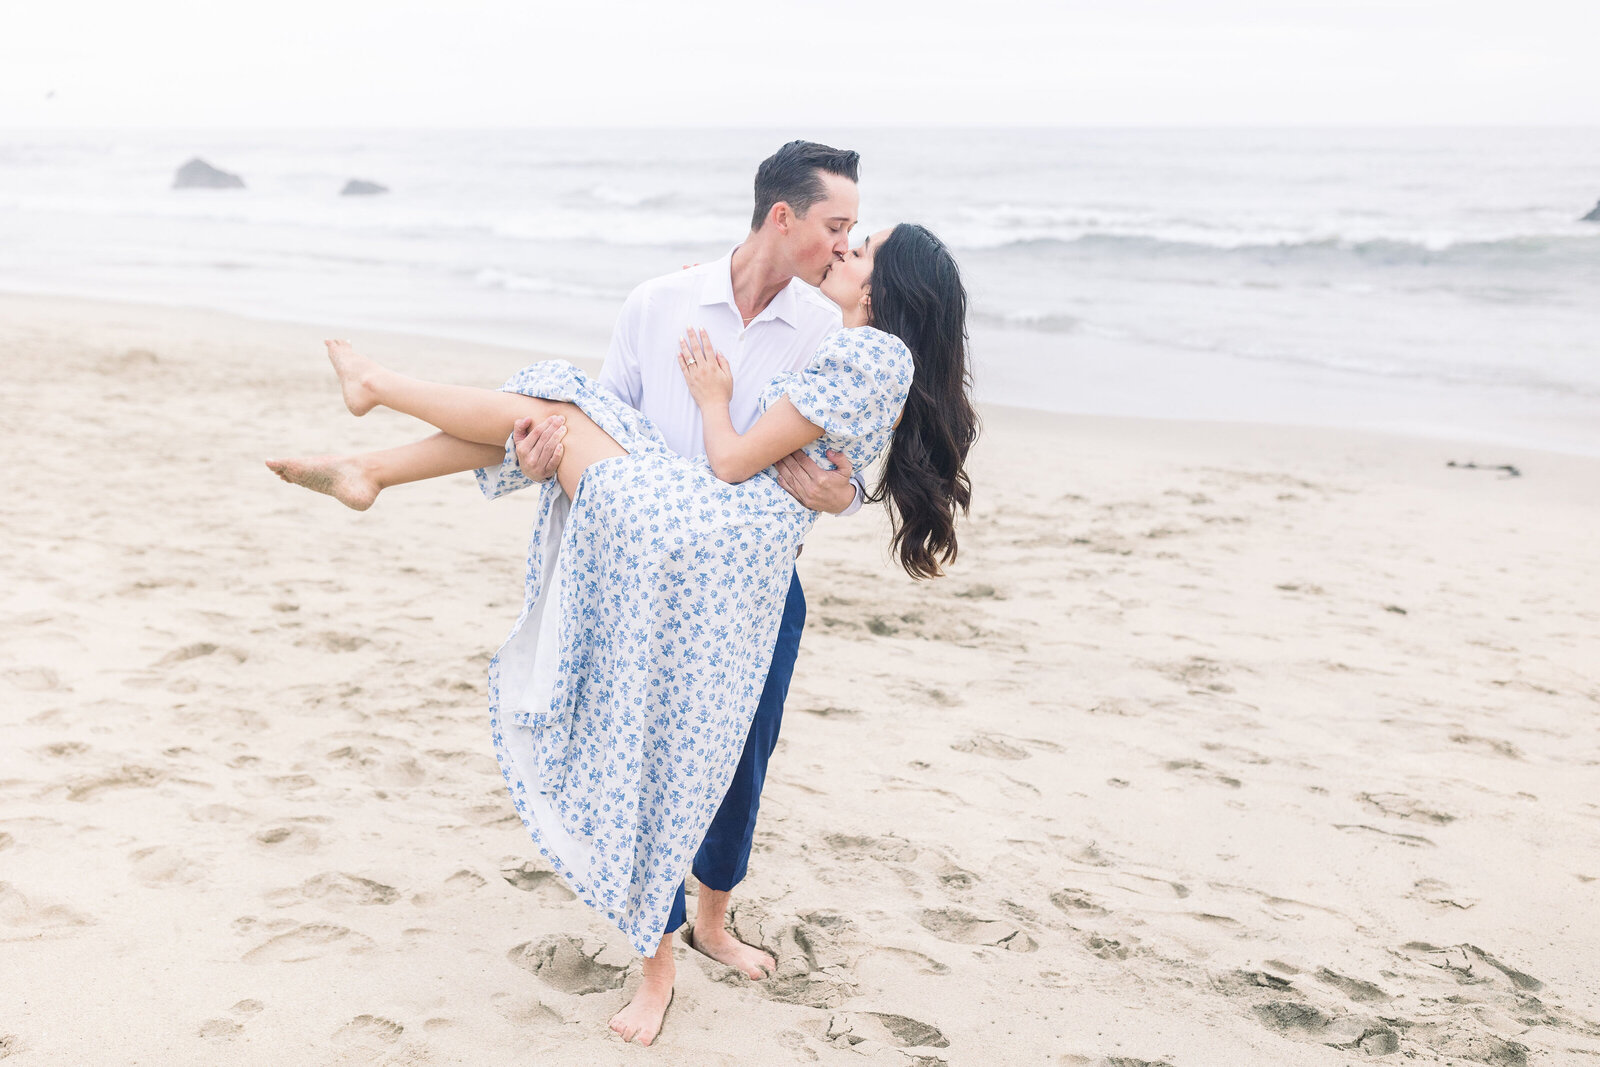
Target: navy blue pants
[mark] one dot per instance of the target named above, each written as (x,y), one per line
(725,853)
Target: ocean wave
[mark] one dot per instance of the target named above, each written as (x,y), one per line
(492,278)
(1036,321)
(1538,251)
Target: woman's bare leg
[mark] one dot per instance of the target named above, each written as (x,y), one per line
(476,423)
(481,415)
(356,480)
(642,1018)
(484,416)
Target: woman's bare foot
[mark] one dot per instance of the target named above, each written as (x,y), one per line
(341,477)
(641,1019)
(354,371)
(725,948)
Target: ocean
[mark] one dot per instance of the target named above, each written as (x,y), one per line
(1429,282)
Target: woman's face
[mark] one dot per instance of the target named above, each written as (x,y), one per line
(847,280)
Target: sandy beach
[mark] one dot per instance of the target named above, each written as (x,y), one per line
(1221,745)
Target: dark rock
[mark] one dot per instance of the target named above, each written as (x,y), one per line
(357,187)
(198,174)
(1593,216)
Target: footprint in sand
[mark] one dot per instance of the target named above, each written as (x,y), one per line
(1147,886)
(34,679)
(289,839)
(527,876)
(129,776)
(1077,903)
(1192,768)
(1400,806)
(163,865)
(310,941)
(570,965)
(1408,840)
(335,888)
(369,1030)
(886,849)
(1434,891)
(991,746)
(222,1029)
(965,928)
(391,769)
(832,711)
(1356,989)
(219,1029)
(815,969)
(529,1012)
(896,1031)
(18,910)
(1488,745)
(901,958)
(1470,964)
(1306,1022)
(462,882)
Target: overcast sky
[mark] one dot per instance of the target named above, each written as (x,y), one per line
(744,62)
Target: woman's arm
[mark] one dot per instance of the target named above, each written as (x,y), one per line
(734,456)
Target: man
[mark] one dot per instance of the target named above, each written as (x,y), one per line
(758,306)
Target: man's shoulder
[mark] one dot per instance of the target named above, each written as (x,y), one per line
(676,285)
(815,313)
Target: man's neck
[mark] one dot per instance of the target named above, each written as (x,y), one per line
(757,277)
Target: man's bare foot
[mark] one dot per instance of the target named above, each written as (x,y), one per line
(643,1016)
(341,477)
(353,370)
(725,948)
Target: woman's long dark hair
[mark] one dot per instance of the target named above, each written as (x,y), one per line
(917,295)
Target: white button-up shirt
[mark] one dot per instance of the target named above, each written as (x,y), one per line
(642,365)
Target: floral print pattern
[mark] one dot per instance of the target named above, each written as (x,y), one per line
(620,702)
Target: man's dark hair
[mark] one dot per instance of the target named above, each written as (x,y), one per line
(794,173)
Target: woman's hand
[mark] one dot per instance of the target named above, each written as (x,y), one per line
(709,378)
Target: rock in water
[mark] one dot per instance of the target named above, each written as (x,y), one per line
(1593,216)
(198,174)
(357,187)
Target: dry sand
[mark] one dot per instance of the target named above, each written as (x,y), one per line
(1222,745)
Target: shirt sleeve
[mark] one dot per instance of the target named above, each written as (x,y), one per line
(860,487)
(620,374)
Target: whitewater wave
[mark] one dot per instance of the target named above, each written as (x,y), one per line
(1535,251)
(492,278)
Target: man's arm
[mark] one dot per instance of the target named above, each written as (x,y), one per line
(836,492)
(540,452)
(620,374)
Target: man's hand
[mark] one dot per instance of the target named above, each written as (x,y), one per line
(539,448)
(820,490)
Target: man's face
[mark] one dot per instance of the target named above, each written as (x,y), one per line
(821,238)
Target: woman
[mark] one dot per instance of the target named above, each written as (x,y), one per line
(620,701)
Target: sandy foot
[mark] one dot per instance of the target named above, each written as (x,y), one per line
(340,477)
(725,948)
(643,1016)
(353,370)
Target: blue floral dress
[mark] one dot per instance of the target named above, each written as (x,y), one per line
(620,702)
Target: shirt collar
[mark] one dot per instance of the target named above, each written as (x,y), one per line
(717,288)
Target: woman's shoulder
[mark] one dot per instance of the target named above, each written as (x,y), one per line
(866,341)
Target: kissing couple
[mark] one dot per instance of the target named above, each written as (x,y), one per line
(636,702)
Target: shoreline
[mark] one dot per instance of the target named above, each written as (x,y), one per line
(480,351)
(1219,744)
